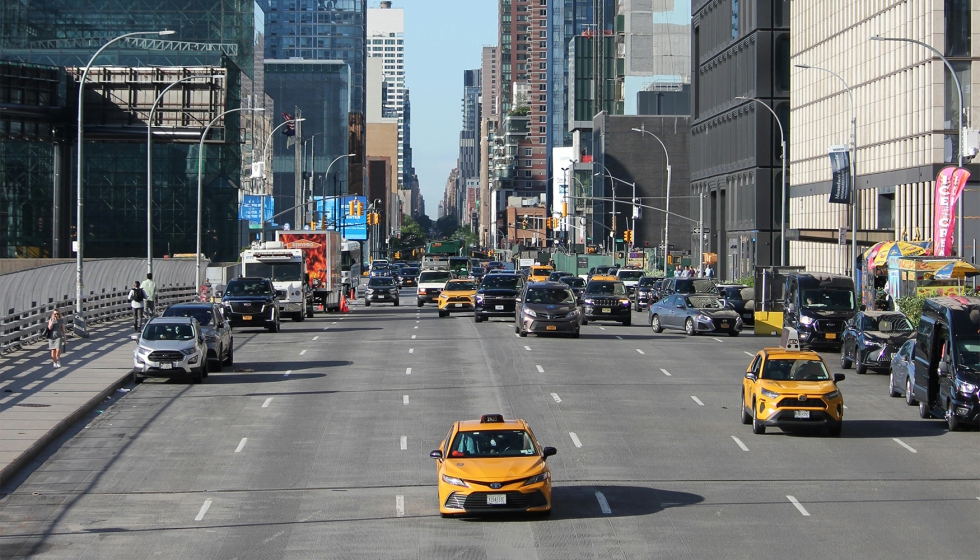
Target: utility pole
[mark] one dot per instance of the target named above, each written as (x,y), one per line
(298,172)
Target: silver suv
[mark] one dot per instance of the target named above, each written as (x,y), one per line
(171,347)
(217,331)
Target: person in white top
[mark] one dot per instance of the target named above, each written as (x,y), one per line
(136,298)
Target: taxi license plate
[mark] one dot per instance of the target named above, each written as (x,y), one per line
(497,499)
(607,310)
(724,325)
(246,317)
(459,305)
(831,336)
(166,366)
(801,414)
(499,307)
(551,328)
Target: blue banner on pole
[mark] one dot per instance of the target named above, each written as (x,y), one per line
(840,166)
(251,208)
(334,211)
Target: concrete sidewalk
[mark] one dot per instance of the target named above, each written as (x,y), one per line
(39,402)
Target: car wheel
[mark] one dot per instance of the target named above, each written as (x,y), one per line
(745,417)
(217,365)
(655,324)
(396,303)
(908,393)
(892,391)
(230,360)
(584,322)
(859,367)
(835,429)
(442,313)
(309,312)
(576,334)
(477,318)
(924,411)
(689,327)
(952,421)
(299,317)
(845,362)
(733,333)
(367,303)
(137,379)
(419,303)
(757,427)
(198,375)
(521,330)
(627,322)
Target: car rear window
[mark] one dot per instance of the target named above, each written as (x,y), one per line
(203,315)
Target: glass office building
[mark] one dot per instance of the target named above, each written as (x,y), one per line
(37,206)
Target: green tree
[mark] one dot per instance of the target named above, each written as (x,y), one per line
(413,236)
(446,226)
(467,235)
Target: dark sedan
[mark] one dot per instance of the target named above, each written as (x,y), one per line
(547,307)
(872,338)
(902,373)
(694,314)
(497,296)
(646,292)
(741,298)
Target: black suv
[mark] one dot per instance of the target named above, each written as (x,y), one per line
(497,294)
(251,302)
(645,292)
(605,300)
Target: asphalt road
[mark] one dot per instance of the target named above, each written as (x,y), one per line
(316,446)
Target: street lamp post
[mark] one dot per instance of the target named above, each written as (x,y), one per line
(200,173)
(149,166)
(959,155)
(336,218)
(643,130)
(265,151)
(79,320)
(854,187)
(783,244)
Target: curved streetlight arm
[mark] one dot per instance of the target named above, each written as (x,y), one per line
(643,130)
(80,204)
(149,165)
(200,172)
(268,140)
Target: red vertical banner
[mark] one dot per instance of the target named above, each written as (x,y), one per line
(949,186)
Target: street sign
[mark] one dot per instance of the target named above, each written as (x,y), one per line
(698,230)
(842,236)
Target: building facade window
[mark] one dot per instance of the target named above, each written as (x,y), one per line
(958,16)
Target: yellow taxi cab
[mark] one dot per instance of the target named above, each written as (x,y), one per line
(492,465)
(787,387)
(540,273)
(604,277)
(457,295)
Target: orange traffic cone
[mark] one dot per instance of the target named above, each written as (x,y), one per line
(344,308)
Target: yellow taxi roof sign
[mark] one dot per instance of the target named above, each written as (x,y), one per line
(790,340)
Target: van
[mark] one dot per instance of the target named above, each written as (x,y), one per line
(946,358)
(818,306)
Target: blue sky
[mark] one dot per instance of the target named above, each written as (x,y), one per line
(442,38)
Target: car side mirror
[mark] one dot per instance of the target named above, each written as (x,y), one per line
(548,452)
(944,368)
(838,377)
(219,294)
(750,375)
(436,454)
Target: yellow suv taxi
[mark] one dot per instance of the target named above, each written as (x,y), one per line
(492,465)
(785,388)
(540,273)
(457,295)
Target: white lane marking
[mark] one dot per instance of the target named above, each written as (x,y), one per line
(515,334)
(411,350)
(417,321)
(602,328)
(540,369)
(748,353)
(288,371)
(575,440)
(528,348)
(718,339)
(640,351)
(905,445)
(408,371)
(603,503)
(204,510)
(413,337)
(241,445)
(404,399)
(798,505)
(404,443)
(740,444)
(619,337)
(556,397)
(667,373)
(326,328)
(316,337)
(697,400)
(334,323)
(303,352)
(415,327)
(400,506)
(267,402)
(845,407)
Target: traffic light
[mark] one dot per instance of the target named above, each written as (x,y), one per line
(628,236)
(352,208)
(360,208)
(524,223)
(398,255)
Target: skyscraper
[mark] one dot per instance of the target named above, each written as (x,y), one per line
(386,40)
(469,145)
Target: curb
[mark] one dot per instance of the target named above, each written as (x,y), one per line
(61,427)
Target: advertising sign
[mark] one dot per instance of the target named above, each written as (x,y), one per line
(840,166)
(335,212)
(949,186)
(251,210)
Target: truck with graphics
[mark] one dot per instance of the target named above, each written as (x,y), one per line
(287,269)
(322,253)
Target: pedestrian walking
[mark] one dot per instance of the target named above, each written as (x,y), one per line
(136,298)
(56,337)
(150,289)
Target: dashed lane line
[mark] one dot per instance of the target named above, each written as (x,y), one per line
(619,337)
(697,400)
(404,399)
(404,443)
(204,510)
(540,369)
(303,352)
(288,371)
(740,444)
(748,353)
(556,397)
(603,503)
(798,505)
(528,348)
(665,372)
(575,440)
(408,371)
(413,337)
(602,328)
(905,445)
(400,506)
(718,339)
(316,337)
(267,402)
(640,351)
(241,445)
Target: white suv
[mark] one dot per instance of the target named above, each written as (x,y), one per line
(430,286)
(171,347)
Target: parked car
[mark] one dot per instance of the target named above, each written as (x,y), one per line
(901,373)
(741,298)
(217,331)
(547,307)
(251,302)
(694,314)
(871,339)
(171,347)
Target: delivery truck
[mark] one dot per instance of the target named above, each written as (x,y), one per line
(322,252)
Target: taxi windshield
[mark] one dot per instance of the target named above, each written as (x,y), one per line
(606,288)
(493,443)
(460,286)
(795,370)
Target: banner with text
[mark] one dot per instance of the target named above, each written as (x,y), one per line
(840,166)
(251,210)
(949,186)
(335,210)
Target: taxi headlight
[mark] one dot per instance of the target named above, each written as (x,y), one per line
(537,478)
(770,394)
(454,481)
(530,312)
(832,395)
